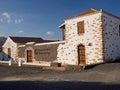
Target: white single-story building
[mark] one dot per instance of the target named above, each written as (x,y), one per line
(10,47)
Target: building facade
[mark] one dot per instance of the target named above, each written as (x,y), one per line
(10,47)
(111,36)
(39,53)
(91,37)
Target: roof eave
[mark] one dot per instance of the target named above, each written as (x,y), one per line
(110,14)
(62,26)
(82,15)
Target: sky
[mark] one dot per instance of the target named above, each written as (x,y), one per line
(41,18)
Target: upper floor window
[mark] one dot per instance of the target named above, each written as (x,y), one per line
(80,27)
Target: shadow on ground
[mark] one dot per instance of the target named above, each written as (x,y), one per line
(102,64)
(62,85)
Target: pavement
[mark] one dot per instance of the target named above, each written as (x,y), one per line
(98,77)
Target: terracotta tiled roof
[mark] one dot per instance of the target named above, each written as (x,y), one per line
(89,11)
(23,40)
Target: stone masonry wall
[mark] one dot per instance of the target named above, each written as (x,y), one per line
(111,37)
(46,53)
(91,39)
(13,46)
(41,53)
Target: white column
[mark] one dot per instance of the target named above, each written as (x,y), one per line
(10,62)
(20,63)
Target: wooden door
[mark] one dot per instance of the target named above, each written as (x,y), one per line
(29,56)
(9,52)
(81,55)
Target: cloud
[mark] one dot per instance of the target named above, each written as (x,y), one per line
(20,31)
(7,15)
(18,21)
(49,33)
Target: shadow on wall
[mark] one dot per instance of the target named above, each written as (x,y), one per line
(62,85)
(4,57)
(1,55)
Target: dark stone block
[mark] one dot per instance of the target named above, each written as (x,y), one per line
(55,64)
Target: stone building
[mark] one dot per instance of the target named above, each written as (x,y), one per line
(39,53)
(10,47)
(90,37)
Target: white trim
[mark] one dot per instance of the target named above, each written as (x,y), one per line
(61,25)
(59,42)
(30,43)
(4,61)
(21,45)
(35,64)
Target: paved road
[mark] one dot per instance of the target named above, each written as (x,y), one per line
(100,77)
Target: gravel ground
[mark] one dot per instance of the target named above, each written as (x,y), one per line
(100,77)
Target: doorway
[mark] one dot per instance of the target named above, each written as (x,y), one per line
(9,52)
(81,55)
(29,56)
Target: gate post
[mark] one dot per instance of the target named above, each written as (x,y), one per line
(20,63)
(10,62)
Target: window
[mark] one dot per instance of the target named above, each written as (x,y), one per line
(80,27)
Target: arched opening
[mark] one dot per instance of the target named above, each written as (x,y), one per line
(81,55)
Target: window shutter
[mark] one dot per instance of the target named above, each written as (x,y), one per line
(80,26)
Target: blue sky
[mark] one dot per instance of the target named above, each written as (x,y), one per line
(41,18)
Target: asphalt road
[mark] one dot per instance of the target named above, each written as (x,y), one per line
(100,77)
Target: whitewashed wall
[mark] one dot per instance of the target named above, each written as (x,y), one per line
(10,44)
(111,37)
(68,54)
